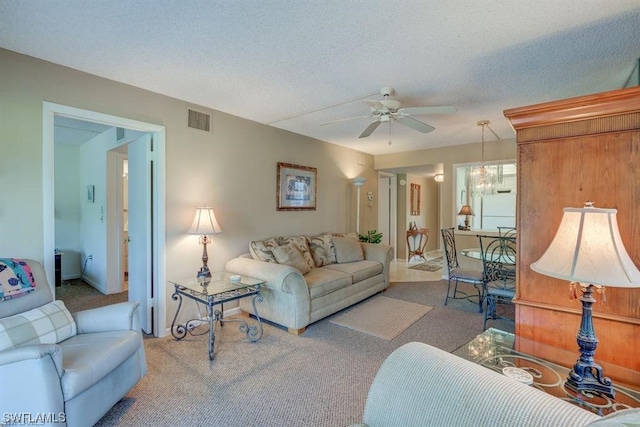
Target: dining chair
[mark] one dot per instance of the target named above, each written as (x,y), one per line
(472,276)
(507,231)
(498,256)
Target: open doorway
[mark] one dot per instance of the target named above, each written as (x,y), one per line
(104,213)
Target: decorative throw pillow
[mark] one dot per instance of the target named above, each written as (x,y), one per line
(16,278)
(261,250)
(290,255)
(300,242)
(48,324)
(322,250)
(348,249)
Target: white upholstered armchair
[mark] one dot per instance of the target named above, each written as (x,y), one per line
(65,368)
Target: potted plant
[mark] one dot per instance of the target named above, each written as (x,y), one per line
(372,236)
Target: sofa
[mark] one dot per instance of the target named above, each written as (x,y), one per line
(308,278)
(58,368)
(420,385)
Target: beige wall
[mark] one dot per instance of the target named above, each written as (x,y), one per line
(233,168)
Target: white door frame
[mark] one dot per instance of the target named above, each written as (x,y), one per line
(49,110)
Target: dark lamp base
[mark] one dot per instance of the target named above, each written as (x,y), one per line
(589,378)
(586,375)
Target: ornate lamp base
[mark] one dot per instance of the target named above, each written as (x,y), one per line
(204,270)
(586,374)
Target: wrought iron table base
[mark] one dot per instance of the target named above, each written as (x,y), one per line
(180,330)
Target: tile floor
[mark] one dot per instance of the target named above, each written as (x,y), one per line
(399,270)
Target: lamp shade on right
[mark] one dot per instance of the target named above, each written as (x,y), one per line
(587,248)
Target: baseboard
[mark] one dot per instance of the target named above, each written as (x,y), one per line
(232,311)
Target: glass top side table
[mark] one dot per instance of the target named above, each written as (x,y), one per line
(496,350)
(212,291)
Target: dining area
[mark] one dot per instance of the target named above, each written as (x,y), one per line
(487,274)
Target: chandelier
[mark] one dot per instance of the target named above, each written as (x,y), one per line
(483,180)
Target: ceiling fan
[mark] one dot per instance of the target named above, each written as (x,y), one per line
(387,110)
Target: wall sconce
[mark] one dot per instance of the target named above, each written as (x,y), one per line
(439,177)
(204,225)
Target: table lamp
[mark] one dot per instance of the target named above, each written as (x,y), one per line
(204,225)
(588,251)
(466,211)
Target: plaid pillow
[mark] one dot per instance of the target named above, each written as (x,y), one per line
(48,324)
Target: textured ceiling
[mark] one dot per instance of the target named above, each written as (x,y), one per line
(296,64)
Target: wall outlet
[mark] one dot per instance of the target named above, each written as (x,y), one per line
(90,257)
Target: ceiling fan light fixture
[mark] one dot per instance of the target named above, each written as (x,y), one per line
(388,110)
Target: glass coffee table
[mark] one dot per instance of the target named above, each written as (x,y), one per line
(496,350)
(212,291)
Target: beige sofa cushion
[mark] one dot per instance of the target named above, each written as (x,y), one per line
(290,255)
(359,271)
(322,250)
(323,281)
(262,250)
(347,249)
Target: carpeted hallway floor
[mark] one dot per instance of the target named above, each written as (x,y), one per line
(320,378)
(78,295)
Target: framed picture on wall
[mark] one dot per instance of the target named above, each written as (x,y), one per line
(296,187)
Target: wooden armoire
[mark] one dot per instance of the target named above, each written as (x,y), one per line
(570,152)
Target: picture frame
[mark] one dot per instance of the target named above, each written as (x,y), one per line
(297,187)
(90,194)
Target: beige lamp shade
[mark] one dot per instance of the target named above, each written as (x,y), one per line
(587,248)
(205,223)
(466,210)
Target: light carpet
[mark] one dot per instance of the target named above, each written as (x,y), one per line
(317,379)
(431,265)
(382,317)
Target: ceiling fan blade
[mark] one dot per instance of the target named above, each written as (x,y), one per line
(416,111)
(344,120)
(369,130)
(415,124)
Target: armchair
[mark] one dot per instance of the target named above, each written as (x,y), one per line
(74,374)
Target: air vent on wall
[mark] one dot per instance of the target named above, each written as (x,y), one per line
(119,134)
(200,121)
